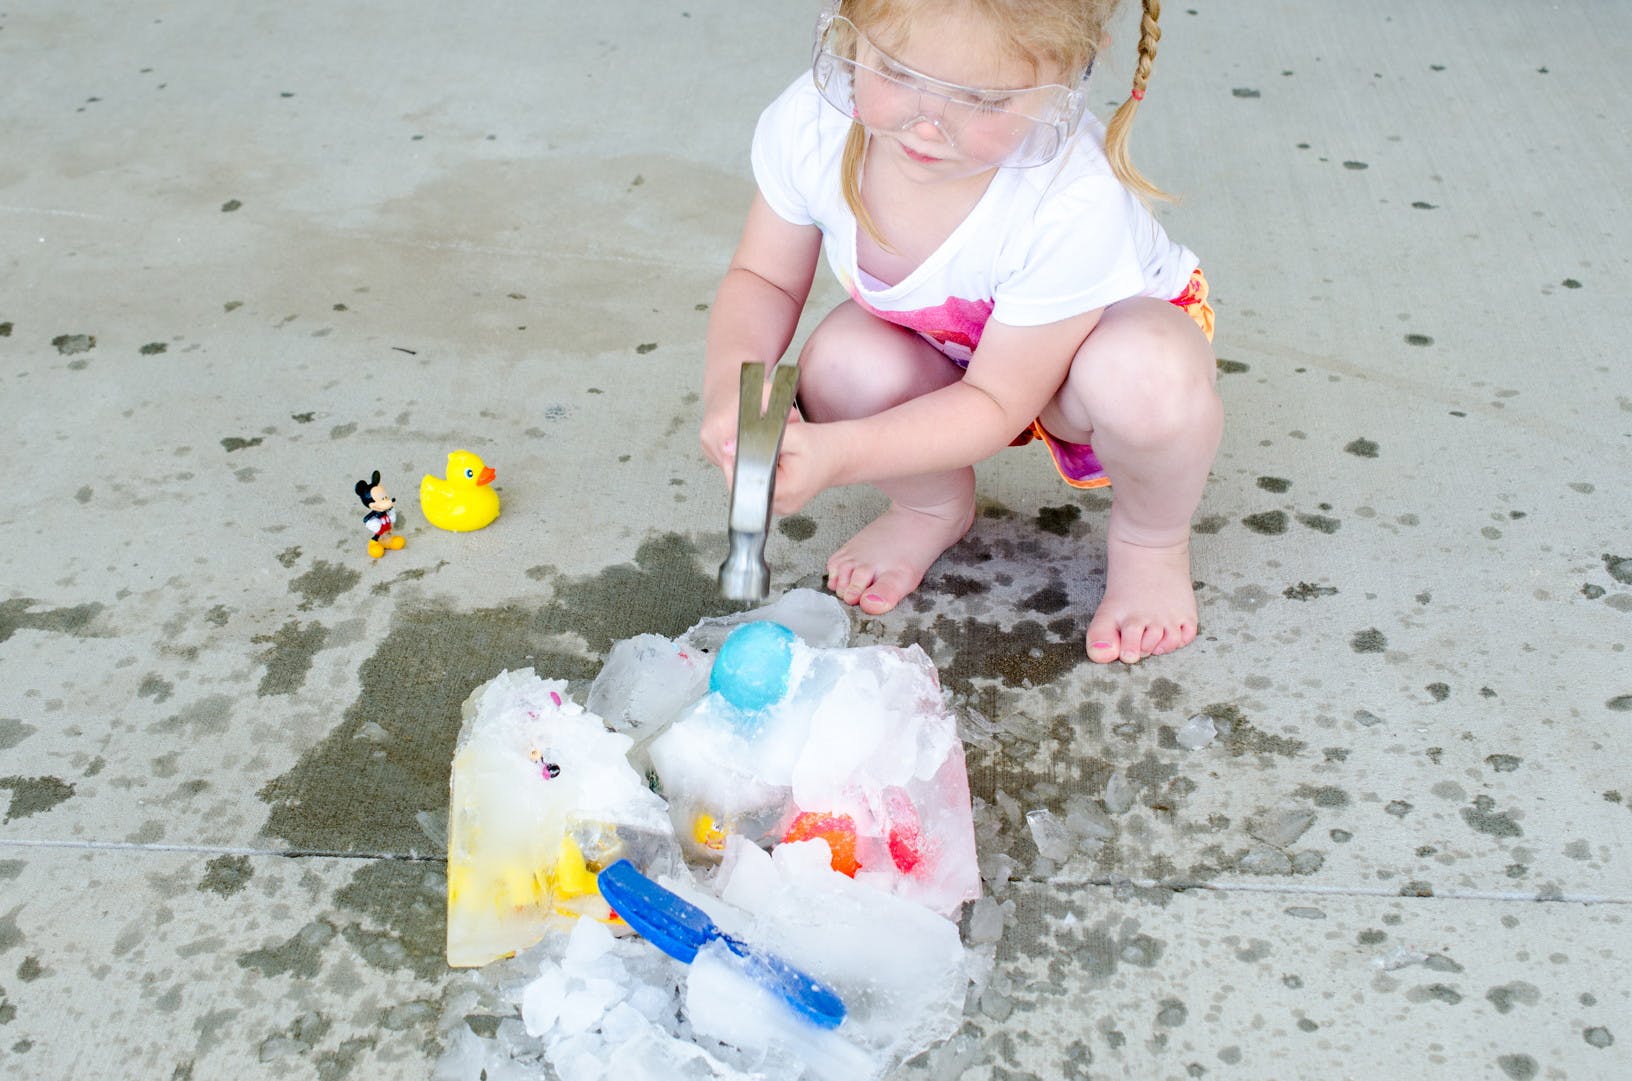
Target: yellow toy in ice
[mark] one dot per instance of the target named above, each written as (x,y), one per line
(464,501)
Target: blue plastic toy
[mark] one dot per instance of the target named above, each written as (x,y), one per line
(751,671)
(680,929)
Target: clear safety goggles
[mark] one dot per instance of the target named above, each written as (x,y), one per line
(1014,128)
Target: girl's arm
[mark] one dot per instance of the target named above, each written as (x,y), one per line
(754,316)
(1014,373)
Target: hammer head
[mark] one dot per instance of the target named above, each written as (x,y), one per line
(745,576)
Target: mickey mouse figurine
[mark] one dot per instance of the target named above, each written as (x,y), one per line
(381,516)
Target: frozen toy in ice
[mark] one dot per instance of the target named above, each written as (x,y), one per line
(853,747)
(541,797)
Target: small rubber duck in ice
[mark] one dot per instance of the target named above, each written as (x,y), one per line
(465,500)
(381,518)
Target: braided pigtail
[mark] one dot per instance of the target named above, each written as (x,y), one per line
(1116,132)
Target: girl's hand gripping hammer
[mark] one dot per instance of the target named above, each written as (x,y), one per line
(745,576)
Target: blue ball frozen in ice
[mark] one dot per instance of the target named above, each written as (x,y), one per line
(751,671)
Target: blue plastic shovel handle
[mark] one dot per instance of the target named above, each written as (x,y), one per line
(680,929)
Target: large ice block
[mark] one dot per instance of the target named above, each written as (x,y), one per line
(541,795)
(859,751)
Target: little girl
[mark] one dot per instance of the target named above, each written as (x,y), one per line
(1006,283)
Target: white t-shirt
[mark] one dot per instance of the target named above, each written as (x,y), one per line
(1043,244)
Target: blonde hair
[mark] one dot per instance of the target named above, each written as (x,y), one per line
(1061,33)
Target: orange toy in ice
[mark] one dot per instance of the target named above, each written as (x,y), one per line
(839,831)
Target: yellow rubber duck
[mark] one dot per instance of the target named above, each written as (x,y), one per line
(464,501)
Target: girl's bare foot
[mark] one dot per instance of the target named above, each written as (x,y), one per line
(1149,605)
(886,560)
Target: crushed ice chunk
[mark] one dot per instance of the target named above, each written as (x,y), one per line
(1197,732)
(985,921)
(1399,957)
(1119,793)
(1280,828)
(1053,838)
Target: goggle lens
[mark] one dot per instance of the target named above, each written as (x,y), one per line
(1015,128)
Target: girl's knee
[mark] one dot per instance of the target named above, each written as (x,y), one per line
(1149,379)
(855,364)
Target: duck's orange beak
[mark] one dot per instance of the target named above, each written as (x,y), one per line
(486,475)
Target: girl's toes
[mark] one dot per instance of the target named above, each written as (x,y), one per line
(1104,644)
(884,593)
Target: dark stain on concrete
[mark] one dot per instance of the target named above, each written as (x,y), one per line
(290,658)
(1619,568)
(1483,817)
(153,349)
(1370,640)
(1046,601)
(957,585)
(1319,522)
(1362,448)
(1322,795)
(289,556)
(5,330)
(1209,524)
(1621,703)
(348,794)
(209,716)
(1164,693)
(15,616)
(1022,655)
(301,955)
(34,795)
(1231,367)
(1268,523)
(1518,1067)
(1058,520)
(1240,736)
(155,687)
(233,442)
(1274,484)
(323,583)
(11,936)
(69,344)
(30,970)
(226,875)
(403,905)
(13,732)
(797,527)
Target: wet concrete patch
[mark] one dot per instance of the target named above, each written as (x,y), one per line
(362,788)
(290,657)
(797,527)
(326,581)
(1024,655)
(15,615)
(34,795)
(226,875)
(13,732)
